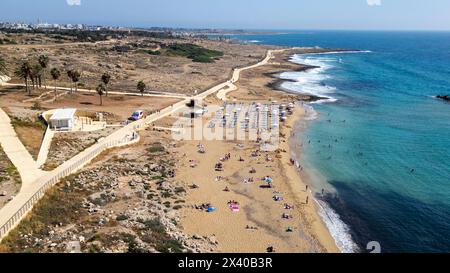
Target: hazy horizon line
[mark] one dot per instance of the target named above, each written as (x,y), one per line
(140,26)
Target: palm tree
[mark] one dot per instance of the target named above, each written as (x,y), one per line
(3,68)
(36,74)
(69,74)
(101,88)
(141,87)
(43,62)
(24,72)
(75,76)
(55,76)
(105,79)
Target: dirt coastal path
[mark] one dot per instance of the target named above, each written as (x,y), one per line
(37,181)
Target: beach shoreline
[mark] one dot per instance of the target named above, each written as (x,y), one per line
(228,229)
(323,234)
(323,192)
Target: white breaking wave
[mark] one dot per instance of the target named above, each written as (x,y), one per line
(311,82)
(341,52)
(338,229)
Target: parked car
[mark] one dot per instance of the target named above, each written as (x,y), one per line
(137,115)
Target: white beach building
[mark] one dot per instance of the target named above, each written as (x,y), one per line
(63,119)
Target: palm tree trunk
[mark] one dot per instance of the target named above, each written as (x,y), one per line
(101,101)
(56,94)
(26,86)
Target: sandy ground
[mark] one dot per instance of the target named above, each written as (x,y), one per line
(120,106)
(258,209)
(117,107)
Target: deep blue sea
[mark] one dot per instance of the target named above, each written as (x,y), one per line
(380,145)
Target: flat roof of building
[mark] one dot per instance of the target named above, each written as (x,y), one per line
(63,114)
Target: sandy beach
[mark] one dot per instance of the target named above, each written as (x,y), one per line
(258,209)
(259,223)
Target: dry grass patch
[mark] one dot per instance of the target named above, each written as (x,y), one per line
(30,132)
(9,179)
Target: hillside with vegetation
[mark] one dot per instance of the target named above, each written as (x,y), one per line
(194,52)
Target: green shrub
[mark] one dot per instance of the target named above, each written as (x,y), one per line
(179,190)
(194,52)
(155,225)
(122,217)
(166,194)
(157,148)
(156,52)
(36,106)
(160,239)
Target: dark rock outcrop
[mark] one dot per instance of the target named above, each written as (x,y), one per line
(443,97)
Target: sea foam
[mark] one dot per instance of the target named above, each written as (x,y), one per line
(337,228)
(311,82)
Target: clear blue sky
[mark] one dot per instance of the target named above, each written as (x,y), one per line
(248,14)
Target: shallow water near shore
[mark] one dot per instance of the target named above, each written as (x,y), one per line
(379,144)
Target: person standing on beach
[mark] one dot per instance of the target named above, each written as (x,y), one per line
(307,200)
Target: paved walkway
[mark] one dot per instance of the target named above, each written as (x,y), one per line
(16,151)
(229,87)
(45,147)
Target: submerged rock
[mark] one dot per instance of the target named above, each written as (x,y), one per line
(443,97)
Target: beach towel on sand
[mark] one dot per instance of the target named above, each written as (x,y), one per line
(234,207)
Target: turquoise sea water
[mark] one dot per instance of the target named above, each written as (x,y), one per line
(380,145)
